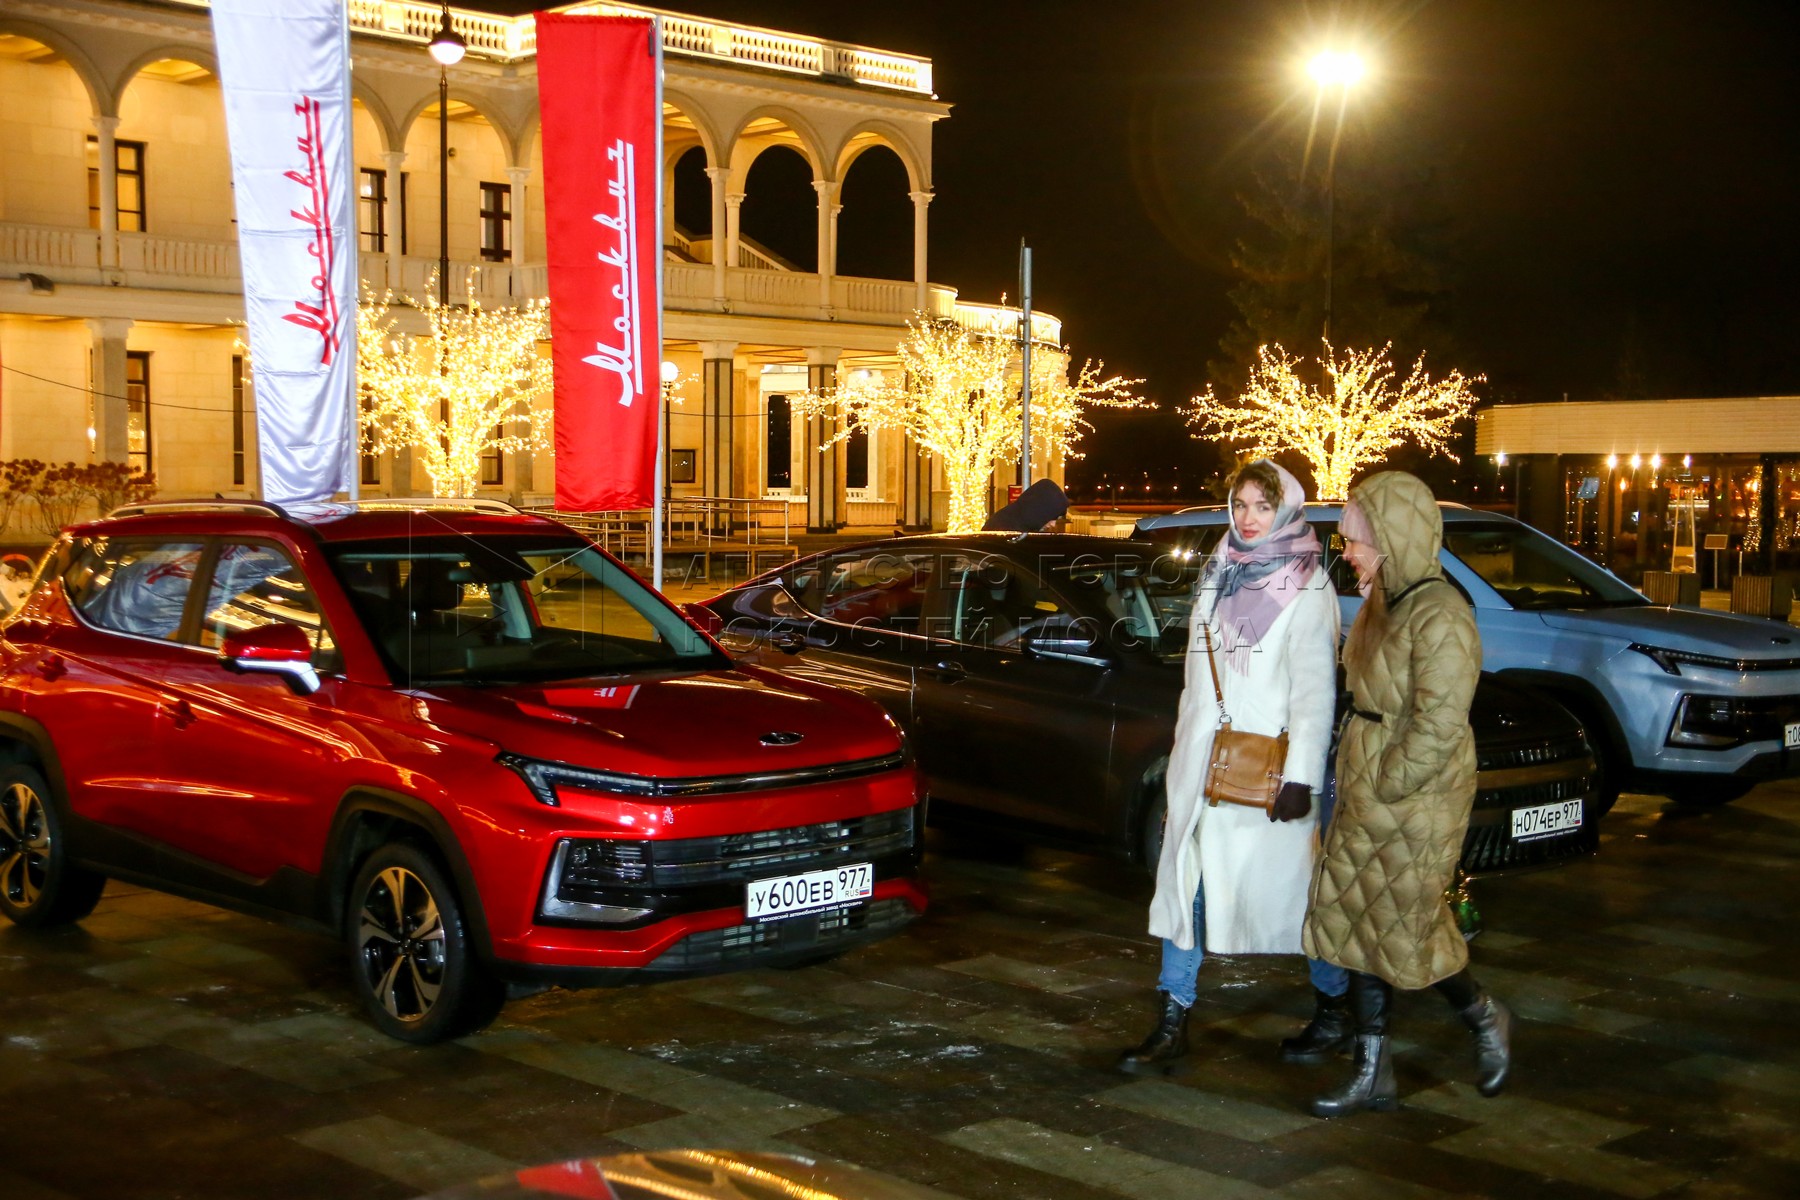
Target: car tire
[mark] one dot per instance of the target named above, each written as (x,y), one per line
(1151,830)
(1709,793)
(412,962)
(39,886)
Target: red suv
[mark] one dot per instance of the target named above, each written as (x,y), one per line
(462,737)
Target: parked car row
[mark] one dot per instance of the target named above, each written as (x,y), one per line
(486,756)
(1695,705)
(1038,675)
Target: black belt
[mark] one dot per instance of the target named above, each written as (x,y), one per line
(1364,713)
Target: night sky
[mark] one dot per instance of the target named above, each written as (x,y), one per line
(1622,176)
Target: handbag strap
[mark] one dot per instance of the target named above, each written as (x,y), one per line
(1218,692)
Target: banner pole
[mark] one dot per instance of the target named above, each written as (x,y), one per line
(658,511)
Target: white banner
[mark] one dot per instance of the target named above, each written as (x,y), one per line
(285,68)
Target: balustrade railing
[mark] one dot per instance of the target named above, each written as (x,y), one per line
(191,257)
(149,260)
(51,246)
(513,38)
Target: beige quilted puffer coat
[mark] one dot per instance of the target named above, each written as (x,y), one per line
(1407,782)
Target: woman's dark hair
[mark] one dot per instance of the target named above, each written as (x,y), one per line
(1262,473)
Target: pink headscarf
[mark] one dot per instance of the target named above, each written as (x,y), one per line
(1257,579)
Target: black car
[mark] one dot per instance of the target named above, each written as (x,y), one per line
(1038,678)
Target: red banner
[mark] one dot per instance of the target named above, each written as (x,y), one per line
(599,95)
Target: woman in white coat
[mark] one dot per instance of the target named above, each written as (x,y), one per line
(1233,879)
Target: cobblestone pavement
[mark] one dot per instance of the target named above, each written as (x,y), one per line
(168,1049)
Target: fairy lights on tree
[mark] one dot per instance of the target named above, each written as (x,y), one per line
(1363,414)
(461,391)
(956,395)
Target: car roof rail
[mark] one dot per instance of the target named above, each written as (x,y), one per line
(471,503)
(151,507)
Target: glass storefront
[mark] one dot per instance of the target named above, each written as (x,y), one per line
(1652,515)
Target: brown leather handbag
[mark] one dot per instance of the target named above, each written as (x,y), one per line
(1246,767)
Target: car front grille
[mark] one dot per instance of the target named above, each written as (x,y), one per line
(1490,848)
(605,864)
(746,945)
(1532,754)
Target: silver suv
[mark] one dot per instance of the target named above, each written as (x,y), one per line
(1697,706)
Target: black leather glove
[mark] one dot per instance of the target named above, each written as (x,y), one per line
(1292,802)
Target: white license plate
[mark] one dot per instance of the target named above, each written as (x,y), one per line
(815,891)
(1790,737)
(1545,820)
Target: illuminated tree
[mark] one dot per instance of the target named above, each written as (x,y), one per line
(956,395)
(459,392)
(1353,425)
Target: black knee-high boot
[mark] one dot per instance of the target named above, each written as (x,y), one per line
(1372,1084)
(1491,1023)
(1326,1035)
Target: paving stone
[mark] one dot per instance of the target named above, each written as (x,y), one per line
(1758,1076)
(1205,1110)
(407,1154)
(1090,1161)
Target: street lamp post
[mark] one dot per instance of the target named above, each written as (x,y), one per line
(447,48)
(1333,69)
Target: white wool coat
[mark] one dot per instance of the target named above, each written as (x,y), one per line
(1257,872)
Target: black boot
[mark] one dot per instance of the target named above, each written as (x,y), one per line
(1372,1084)
(1166,1045)
(1326,1036)
(1491,1023)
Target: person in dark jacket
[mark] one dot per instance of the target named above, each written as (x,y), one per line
(1406,784)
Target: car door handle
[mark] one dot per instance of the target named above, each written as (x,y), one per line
(178,710)
(949,671)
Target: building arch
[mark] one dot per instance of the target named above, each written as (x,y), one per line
(378,112)
(870,134)
(875,219)
(103,99)
(204,59)
(509,139)
(778,211)
(774,125)
(698,119)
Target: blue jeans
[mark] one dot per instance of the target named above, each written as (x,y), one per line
(1181,968)
(1329,978)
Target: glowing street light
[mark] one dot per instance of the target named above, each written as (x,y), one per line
(1333,68)
(1339,70)
(446,49)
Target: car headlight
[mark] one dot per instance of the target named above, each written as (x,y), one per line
(1672,660)
(543,778)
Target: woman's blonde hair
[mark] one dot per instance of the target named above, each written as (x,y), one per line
(1263,474)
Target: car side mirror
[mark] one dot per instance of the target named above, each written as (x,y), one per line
(1068,640)
(705,618)
(278,649)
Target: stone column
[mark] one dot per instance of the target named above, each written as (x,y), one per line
(827,192)
(515,178)
(394,163)
(824,469)
(915,486)
(734,203)
(105,128)
(718,176)
(718,418)
(112,421)
(920,201)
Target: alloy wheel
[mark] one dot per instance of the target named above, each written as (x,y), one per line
(24,846)
(401,944)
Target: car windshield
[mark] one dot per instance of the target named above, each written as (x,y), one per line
(1533,571)
(1144,601)
(494,610)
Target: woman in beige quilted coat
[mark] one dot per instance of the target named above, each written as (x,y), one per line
(1406,783)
